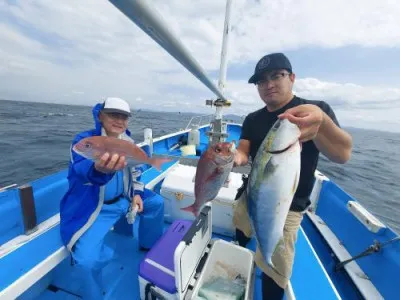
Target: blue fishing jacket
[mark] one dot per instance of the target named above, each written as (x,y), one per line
(82,202)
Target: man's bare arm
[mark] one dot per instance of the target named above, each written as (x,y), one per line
(335,143)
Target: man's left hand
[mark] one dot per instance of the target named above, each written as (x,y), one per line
(137,200)
(307,117)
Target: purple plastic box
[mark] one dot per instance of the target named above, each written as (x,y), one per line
(162,253)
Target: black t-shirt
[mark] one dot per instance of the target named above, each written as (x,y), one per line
(256,126)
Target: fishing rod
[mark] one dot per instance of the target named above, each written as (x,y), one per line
(151,22)
(374,248)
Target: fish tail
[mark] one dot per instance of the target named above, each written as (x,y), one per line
(158,162)
(280,246)
(192,209)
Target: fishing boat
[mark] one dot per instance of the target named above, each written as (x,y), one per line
(342,252)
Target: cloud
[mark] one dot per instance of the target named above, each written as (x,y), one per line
(373,107)
(78,52)
(291,24)
(348,95)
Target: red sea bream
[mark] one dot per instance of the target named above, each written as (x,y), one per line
(212,171)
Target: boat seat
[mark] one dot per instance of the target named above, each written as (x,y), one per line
(360,279)
(152,176)
(331,201)
(45,251)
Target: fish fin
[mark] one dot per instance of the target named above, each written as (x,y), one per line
(295,184)
(271,264)
(158,162)
(227,181)
(192,209)
(215,173)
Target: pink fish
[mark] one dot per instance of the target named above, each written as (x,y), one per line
(94,147)
(212,171)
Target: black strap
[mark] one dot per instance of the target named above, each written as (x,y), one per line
(148,291)
(240,191)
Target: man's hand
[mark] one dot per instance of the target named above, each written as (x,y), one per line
(242,153)
(137,200)
(332,141)
(109,165)
(236,160)
(307,117)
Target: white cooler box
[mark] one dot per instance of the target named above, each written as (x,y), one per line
(178,191)
(196,265)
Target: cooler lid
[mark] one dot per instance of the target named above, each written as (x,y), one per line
(191,249)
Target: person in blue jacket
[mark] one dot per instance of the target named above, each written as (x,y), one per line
(100,194)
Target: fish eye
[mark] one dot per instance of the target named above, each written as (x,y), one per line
(87,145)
(218,150)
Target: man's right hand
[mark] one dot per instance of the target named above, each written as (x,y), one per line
(242,153)
(236,160)
(107,164)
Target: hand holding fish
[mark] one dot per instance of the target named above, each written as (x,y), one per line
(137,200)
(107,164)
(307,117)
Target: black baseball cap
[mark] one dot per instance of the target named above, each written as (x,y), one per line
(270,62)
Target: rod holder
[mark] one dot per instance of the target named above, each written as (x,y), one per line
(28,208)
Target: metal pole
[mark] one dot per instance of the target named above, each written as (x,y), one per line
(223,66)
(225,40)
(152,23)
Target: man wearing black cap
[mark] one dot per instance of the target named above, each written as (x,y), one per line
(320,132)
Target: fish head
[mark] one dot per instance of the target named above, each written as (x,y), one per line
(222,153)
(90,148)
(282,135)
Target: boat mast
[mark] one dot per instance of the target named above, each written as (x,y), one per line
(218,132)
(225,40)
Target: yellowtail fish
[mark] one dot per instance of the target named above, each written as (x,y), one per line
(273,181)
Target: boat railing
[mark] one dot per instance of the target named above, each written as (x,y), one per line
(199,121)
(235,120)
(206,119)
(3,189)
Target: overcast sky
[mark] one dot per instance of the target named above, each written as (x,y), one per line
(346,52)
